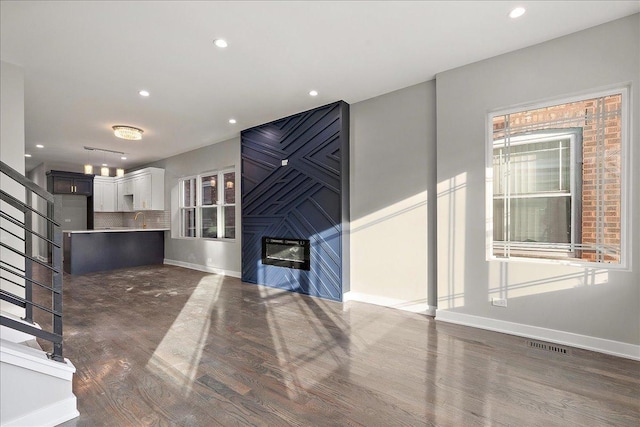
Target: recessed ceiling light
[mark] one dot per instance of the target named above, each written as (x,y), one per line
(221,43)
(39,146)
(104,164)
(123,158)
(232,121)
(517,12)
(27,155)
(144,93)
(313,93)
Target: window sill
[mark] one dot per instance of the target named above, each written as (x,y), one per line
(569,262)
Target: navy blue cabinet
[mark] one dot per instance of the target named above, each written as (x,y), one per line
(62,182)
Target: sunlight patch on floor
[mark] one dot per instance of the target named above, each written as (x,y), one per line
(180,351)
(302,366)
(329,347)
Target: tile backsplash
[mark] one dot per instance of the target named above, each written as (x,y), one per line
(107,219)
(154,219)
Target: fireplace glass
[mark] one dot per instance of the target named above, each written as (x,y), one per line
(285,252)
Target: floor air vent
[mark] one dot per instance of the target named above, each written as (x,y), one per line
(554,348)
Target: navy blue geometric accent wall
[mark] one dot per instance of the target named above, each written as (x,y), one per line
(308,198)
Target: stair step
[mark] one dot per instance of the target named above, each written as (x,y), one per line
(32,343)
(34,359)
(12,335)
(51,400)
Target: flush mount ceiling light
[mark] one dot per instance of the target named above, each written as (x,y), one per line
(313,93)
(517,12)
(39,146)
(128,132)
(221,43)
(144,93)
(232,121)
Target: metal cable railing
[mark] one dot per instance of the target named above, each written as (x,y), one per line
(17,260)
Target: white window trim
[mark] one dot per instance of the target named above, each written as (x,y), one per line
(625,176)
(199,206)
(182,208)
(219,206)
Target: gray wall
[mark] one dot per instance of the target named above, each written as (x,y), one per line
(393,181)
(12,153)
(392,177)
(591,302)
(212,255)
(393,186)
(12,115)
(40,247)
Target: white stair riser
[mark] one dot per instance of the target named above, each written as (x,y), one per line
(33,389)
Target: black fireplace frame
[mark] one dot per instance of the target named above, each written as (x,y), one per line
(299,265)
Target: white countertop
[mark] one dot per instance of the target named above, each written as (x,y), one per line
(114,230)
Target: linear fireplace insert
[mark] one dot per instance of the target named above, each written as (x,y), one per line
(285,252)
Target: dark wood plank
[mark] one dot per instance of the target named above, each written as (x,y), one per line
(163,345)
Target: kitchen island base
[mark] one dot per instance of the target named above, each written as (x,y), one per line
(92,251)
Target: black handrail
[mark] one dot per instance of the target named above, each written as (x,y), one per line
(24,276)
(30,279)
(20,224)
(25,182)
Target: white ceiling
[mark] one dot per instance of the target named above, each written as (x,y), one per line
(84,62)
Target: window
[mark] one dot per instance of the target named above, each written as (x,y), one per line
(207,206)
(556,178)
(188,208)
(536,191)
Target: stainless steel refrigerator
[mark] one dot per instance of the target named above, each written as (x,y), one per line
(74,211)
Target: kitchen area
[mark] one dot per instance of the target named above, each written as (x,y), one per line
(110,222)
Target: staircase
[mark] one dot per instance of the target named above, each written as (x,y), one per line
(35,386)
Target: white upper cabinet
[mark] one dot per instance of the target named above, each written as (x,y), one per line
(104,194)
(141,190)
(124,194)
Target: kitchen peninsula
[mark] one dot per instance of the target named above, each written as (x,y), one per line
(87,251)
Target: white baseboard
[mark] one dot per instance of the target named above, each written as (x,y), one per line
(418,306)
(51,415)
(600,345)
(204,268)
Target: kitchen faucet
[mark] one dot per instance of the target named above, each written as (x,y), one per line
(144,219)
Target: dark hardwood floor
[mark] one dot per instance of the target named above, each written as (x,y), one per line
(165,346)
